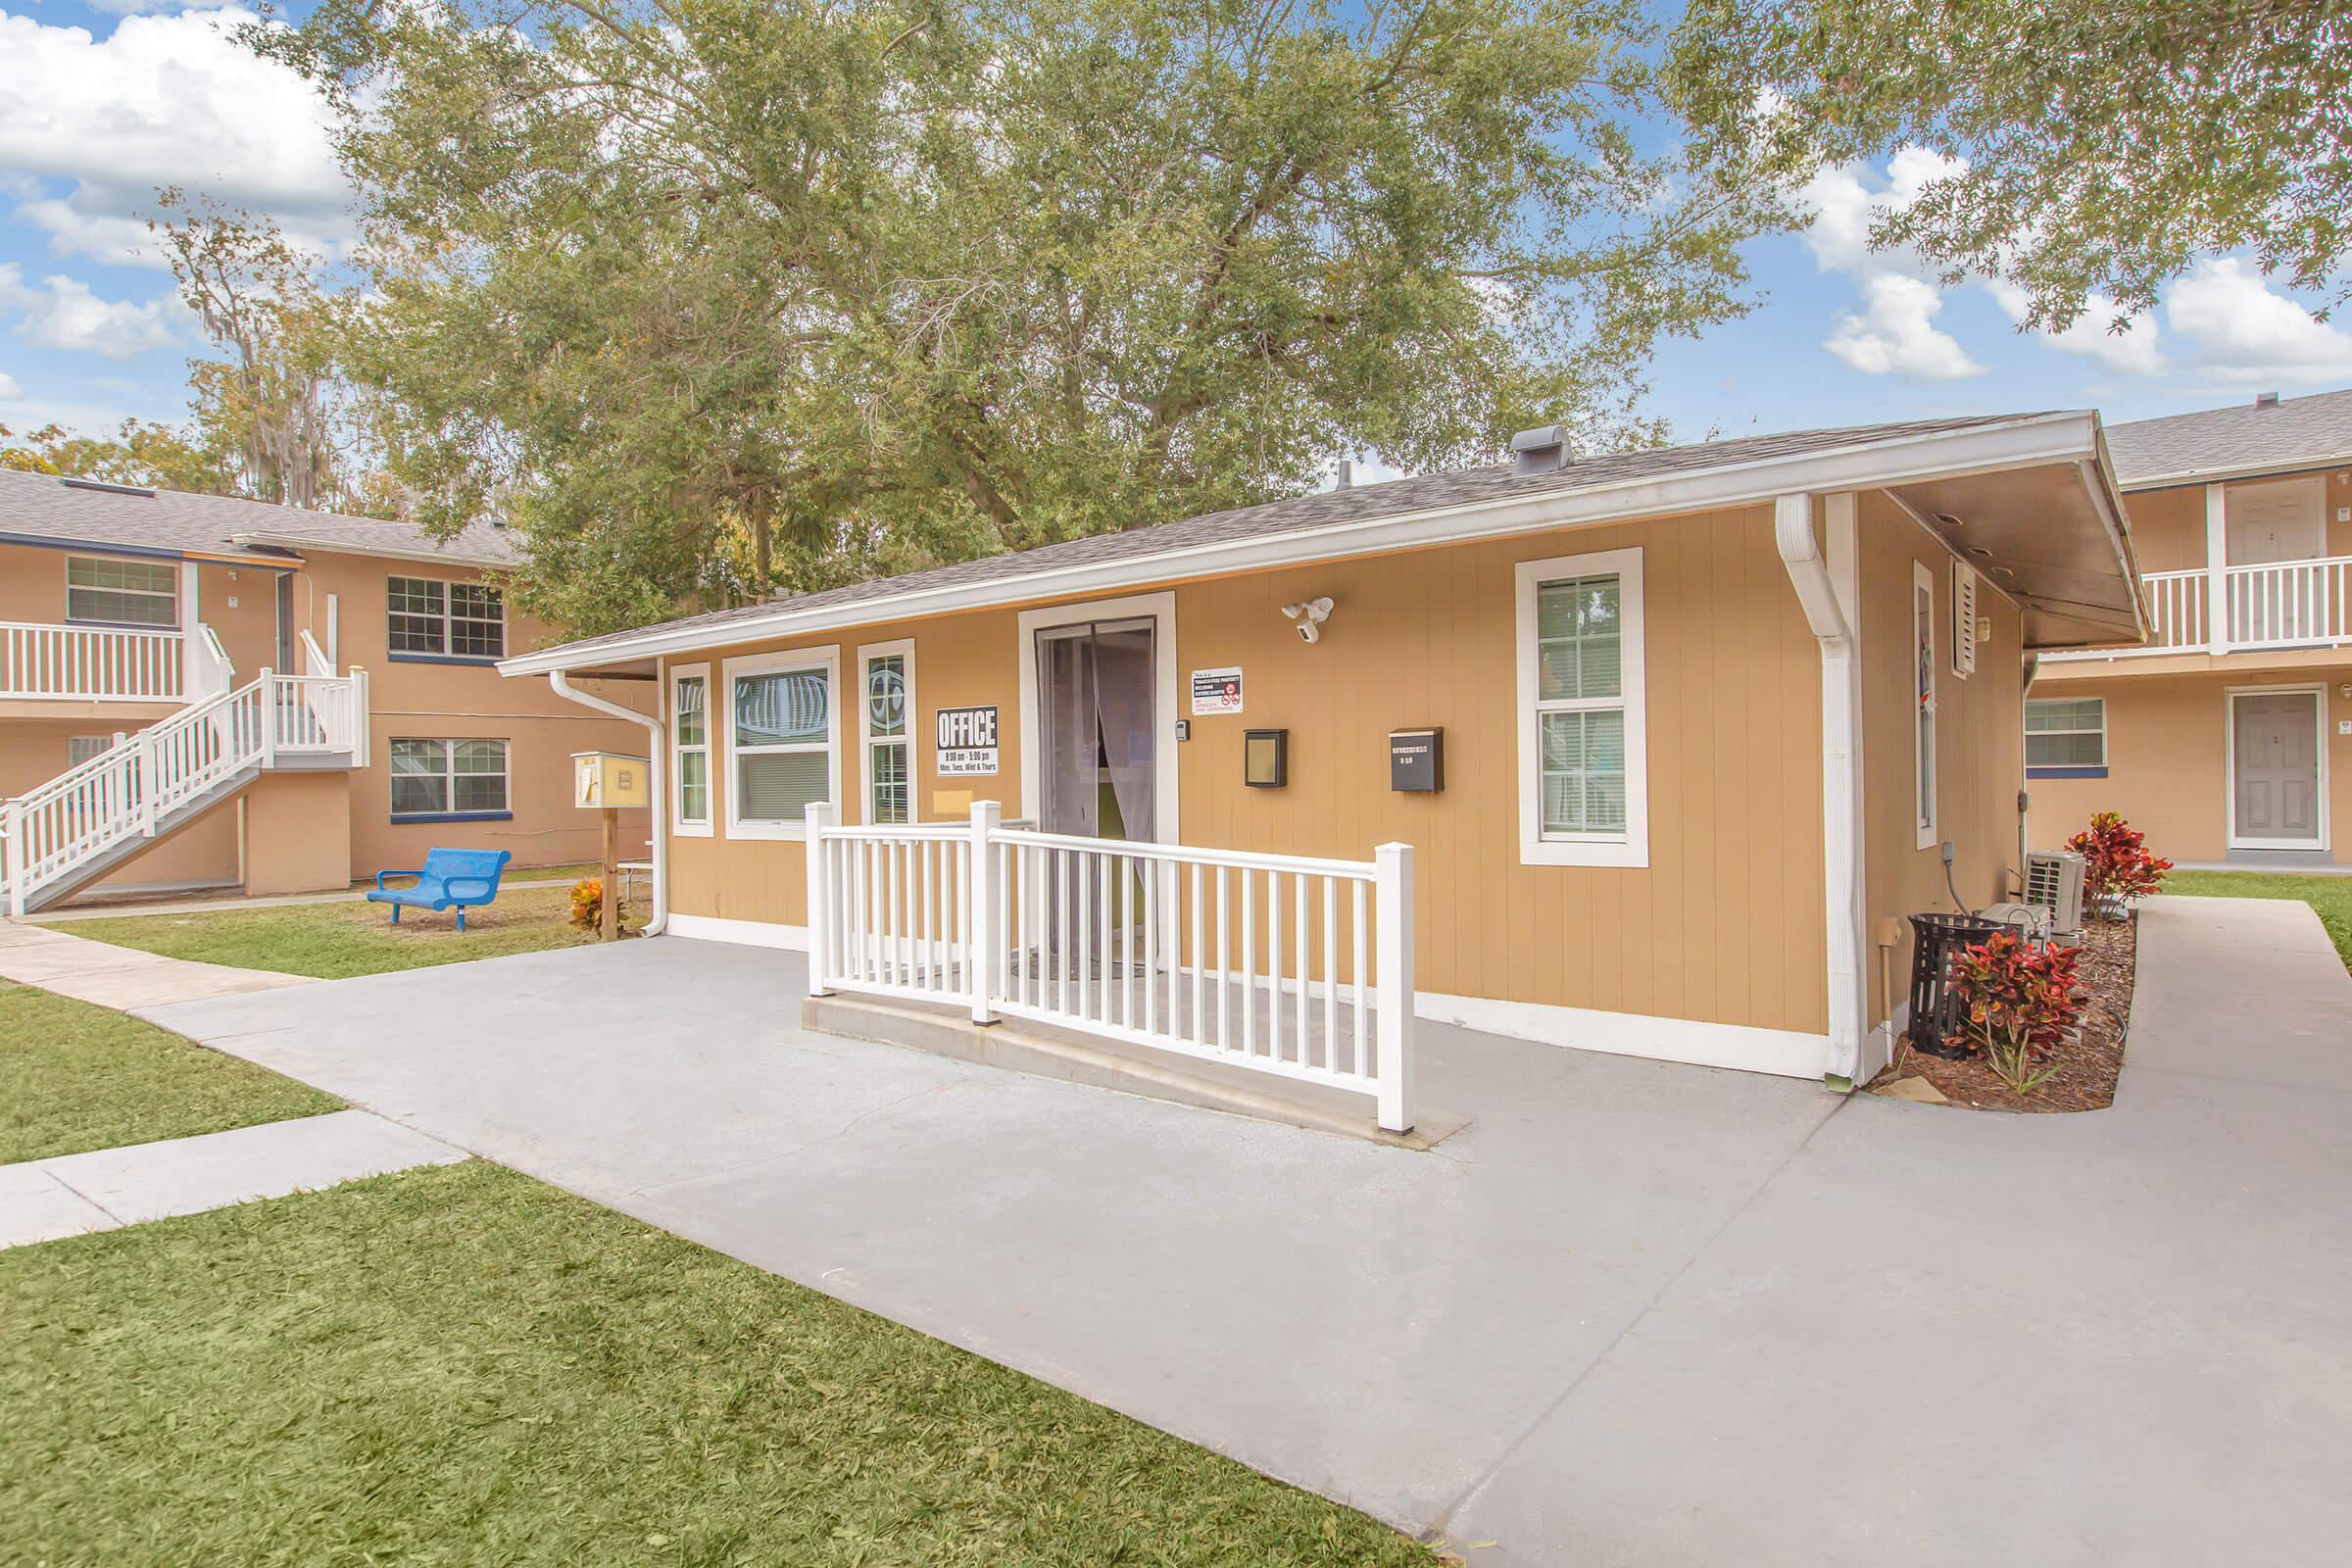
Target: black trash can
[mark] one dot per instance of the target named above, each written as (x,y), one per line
(1934,1007)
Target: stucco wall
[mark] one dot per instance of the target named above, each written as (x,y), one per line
(1980,743)
(2168,760)
(2168,526)
(298,833)
(1724,925)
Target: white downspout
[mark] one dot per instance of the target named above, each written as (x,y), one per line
(1830,613)
(656,789)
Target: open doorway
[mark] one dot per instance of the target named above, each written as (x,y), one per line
(1098,731)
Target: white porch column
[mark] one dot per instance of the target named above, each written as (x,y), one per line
(986,944)
(2217,568)
(1394,979)
(819,916)
(189,620)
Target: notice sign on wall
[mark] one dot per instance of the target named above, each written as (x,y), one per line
(967,742)
(1217,691)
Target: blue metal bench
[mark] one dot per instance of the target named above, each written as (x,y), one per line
(459,879)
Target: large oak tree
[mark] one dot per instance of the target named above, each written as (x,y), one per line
(716,296)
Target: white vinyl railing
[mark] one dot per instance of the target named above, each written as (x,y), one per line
(2286,604)
(2277,604)
(124,791)
(1283,964)
(95,664)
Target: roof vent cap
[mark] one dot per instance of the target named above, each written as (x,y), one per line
(1543,449)
(2266,400)
(107,486)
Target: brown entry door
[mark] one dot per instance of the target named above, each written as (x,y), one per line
(2275,769)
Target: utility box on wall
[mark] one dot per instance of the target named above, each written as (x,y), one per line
(608,780)
(1417,761)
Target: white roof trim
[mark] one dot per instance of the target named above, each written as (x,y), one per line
(2240,470)
(345,546)
(1868,464)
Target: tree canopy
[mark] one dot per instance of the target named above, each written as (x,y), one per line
(715,296)
(2107,143)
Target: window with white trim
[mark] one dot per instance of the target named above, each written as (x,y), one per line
(1922,692)
(886,731)
(448,778)
(1583,751)
(428,617)
(781,738)
(106,591)
(690,744)
(2065,736)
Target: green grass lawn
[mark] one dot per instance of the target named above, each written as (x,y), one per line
(76,1077)
(333,941)
(462,1366)
(2329,897)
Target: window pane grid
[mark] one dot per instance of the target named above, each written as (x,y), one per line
(691,730)
(783,743)
(433,777)
(134,593)
(2066,732)
(463,619)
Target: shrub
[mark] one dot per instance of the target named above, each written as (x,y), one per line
(588,904)
(2018,1000)
(2117,867)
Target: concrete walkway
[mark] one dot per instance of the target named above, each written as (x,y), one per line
(121,978)
(1634,1313)
(72,1195)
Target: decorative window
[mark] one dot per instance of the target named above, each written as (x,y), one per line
(1922,692)
(441,780)
(886,727)
(434,620)
(1582,748)
(2066,738)
(121,592)
(781,739)
(690,740)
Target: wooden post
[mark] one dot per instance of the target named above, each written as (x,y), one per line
(608,919)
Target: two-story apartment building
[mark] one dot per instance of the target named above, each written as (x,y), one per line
(2227,737)
(198,692)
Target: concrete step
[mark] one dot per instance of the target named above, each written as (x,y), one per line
(1020,1046)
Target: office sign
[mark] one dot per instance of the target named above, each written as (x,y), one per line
(965,743)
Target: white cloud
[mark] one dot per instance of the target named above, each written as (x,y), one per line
(2246,332)
(2133,352)
(164,100)
(10,391)
(1894,334)
(63,312)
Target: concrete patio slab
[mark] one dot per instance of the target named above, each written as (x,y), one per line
(123,978)
(1634,1312)
(190,1175)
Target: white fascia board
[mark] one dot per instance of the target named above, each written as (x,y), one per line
(2219,473)
(2016,443)
(342,547)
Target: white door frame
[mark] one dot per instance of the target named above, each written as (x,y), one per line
(1161,610)
(2318,691)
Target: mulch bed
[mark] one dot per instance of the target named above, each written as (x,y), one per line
(2087,1069)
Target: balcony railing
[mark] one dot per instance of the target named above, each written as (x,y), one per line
(2277,604)
(94,663)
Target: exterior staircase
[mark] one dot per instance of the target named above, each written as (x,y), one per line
(69,832)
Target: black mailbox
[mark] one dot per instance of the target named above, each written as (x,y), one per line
(1266,758)
(1417,761)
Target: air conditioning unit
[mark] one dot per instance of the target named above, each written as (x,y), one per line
(2054,881)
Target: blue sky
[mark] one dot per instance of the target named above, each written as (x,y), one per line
(101,106)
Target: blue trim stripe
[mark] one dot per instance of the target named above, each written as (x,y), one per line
(453,817)
(2066,772)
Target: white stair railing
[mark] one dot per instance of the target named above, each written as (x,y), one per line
(1283,964)
(124,791)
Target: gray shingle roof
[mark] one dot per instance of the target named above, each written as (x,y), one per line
(2245,437)
(39,506)
(1323,508)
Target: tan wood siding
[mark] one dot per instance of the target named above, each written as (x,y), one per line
(1724,925)
(1979,741)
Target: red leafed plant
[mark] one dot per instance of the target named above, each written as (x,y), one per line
(2018,1000)
(588,902)
(2117,867)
